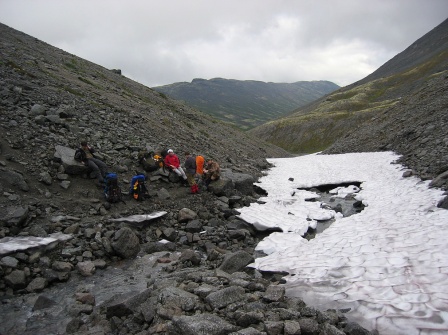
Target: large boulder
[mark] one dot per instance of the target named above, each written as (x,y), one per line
(222,187)
(13,215)
(123,304)
(66,156)
(13,180)
(16,279)
(173,298)
(37,110)
(126,244)
(242,182)
(236,261)
(439,180)
(209,324)
(443,203)
(225,297)
(186,214)
(231,181)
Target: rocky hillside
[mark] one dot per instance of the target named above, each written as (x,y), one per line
(80,99)
(317,126)
(248,103)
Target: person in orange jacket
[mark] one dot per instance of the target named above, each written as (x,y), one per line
(200,161)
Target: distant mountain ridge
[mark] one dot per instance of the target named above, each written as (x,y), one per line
(246,103)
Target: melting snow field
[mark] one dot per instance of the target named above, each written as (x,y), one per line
(389,263)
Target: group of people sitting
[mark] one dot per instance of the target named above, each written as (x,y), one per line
(197,169)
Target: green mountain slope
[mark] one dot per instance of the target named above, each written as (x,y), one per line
(318,125)
(249,103)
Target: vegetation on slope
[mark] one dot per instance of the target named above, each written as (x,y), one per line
(248,103)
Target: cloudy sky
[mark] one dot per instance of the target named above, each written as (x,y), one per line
(161,42)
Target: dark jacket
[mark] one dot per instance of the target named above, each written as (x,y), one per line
(190,165)
(81,156)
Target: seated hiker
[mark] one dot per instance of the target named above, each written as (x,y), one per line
(211,171)
(86,155)
(172,162)
(190,168)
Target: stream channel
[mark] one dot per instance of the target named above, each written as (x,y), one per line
(48,312)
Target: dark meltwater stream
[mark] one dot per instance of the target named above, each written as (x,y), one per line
(48,312)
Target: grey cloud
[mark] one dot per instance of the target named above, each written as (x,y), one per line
(161,42)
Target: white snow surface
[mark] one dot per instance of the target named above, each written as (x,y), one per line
(389,263)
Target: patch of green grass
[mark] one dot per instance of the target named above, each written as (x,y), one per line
(343,96)
(72,65)
(19,69)
(166,121)
(203,132)
(73,91)
(84,80)
(309,133)
(376,94)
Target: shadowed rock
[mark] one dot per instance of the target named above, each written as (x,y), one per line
(126,244)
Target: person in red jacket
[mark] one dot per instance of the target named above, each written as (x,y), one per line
(172,162)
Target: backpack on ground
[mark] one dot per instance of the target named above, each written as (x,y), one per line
(148,161)
(112,191)
(158,159)
(138,188)
(80,155)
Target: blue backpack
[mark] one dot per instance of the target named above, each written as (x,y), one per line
(138,188)
(112,191)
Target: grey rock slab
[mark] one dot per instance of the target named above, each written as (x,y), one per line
(10,245)
(140,218)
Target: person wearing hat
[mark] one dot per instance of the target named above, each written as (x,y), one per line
(172,162)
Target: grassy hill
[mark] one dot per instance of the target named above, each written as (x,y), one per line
(248,103)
